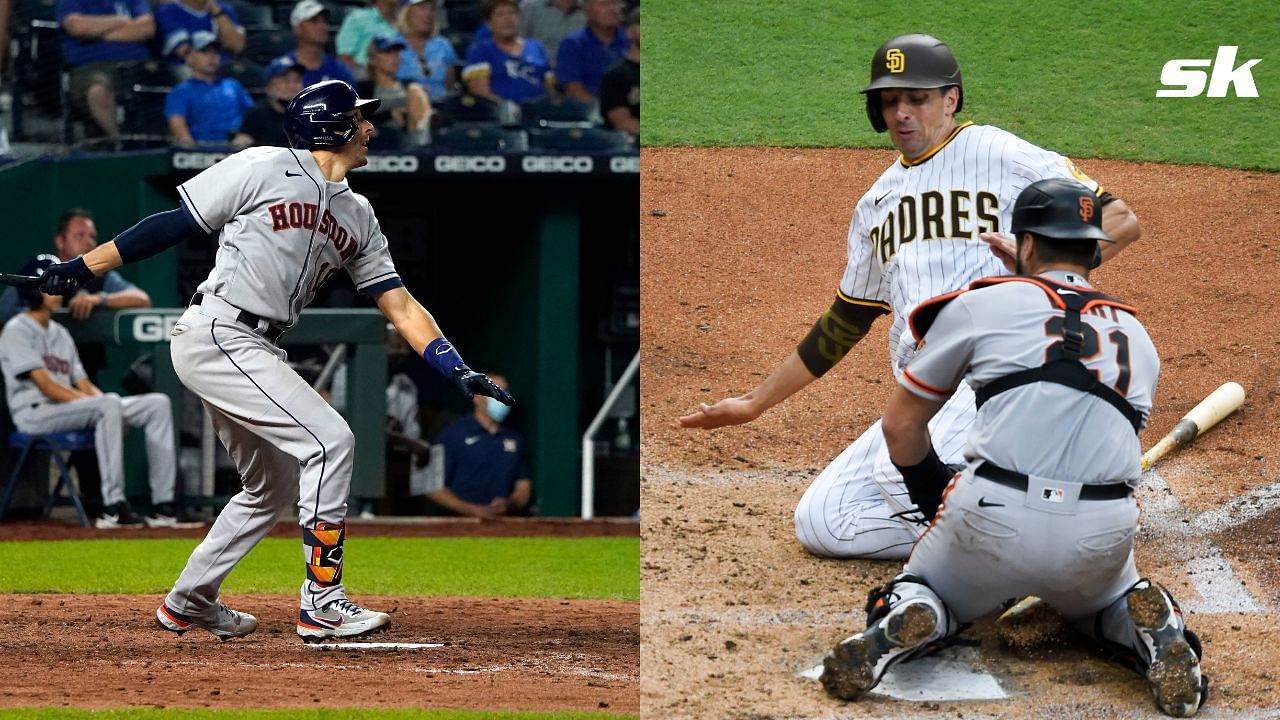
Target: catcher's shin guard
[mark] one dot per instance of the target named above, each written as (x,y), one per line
(322,550)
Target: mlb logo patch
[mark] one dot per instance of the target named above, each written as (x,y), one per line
(1049,494)
(509,444)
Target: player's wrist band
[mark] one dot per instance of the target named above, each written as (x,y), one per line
(925,482)
(441,356)
(81,270)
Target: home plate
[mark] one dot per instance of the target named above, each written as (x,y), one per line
(945,675)
(374,646)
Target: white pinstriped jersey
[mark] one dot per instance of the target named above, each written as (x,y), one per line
(285,229)
(914,234)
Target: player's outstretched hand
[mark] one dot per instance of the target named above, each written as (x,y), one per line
(1004,247)
(65,278)
(472,383)
(730,411)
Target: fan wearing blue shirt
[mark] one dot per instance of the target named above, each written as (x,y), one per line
(507,66)
(204,109)
(584,55)
(486,473)
(181,21)
(98,36)
(429,59)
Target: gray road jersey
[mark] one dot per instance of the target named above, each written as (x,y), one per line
(285,229)
(1041,428)
(26,346)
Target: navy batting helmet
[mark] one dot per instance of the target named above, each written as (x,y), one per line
(316,117)
(1060,209)
(910,61)
(30,294)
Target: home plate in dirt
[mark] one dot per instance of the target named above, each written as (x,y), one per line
(946,675)
(375,646)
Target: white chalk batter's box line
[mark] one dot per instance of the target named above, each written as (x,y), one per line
(591,673)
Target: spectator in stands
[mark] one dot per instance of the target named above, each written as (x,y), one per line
(585,55)
(264,122)
(429,60)
(620,86)
(76,234)
(506,67)
(485,473)
(547,21)
(47,391)
(180,22)
(361,26)
(100,37)
(204,108)
(405,108)
(310,21)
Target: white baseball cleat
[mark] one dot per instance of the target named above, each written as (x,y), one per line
(340,619)
(224,624)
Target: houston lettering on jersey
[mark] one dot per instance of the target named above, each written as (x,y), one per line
(57,365)
(933,215)
(302,215)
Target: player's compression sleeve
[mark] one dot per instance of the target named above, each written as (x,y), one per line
(838,330)
(158,232)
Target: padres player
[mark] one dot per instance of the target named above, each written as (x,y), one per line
(287,221)
(1065,378)
(918,232)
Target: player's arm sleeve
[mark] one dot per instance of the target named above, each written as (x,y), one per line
(372,271)
(220,192)
(944,353)
(159,232)
(862,297)
(20,353)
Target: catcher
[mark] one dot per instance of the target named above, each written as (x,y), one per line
(1047,357)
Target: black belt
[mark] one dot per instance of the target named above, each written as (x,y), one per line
(272,332)
(1018,481)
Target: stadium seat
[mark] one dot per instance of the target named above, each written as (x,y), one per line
(248,72)
(459,39)
(464,15)
(468,109)
(480,137)
(142,92)
(24,11)
(589,139)
(57,444)
(254,16)
(267,45)
(559,111)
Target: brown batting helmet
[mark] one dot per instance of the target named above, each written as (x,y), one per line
(910,61)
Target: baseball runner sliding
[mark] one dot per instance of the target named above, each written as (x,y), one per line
(918,232)
(286,221)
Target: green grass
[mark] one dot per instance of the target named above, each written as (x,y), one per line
(344,713)
(595,568)
(1076,77)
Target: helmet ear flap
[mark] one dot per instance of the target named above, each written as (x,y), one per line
(874,113)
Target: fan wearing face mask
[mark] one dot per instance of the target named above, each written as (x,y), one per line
(486,472)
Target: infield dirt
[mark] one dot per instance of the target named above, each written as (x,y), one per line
(741,249)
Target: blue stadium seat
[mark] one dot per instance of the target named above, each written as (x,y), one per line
(589,139)
(468,109)
(57,444)
(480,137)
(558,111)
(254,16)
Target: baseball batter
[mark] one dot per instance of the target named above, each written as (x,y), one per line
(917,233)
(1065,378)
(287,221)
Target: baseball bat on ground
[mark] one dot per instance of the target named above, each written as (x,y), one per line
(19,280)
(1220,403)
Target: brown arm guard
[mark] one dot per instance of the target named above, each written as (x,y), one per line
(839,328)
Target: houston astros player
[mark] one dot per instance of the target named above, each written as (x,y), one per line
(1064,378)
(918,232)
(287,221)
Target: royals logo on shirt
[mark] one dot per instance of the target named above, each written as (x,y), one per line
(509,445)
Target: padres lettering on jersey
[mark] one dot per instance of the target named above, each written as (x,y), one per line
(285,230)
(914,234)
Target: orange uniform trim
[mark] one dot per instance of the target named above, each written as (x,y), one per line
(924,385)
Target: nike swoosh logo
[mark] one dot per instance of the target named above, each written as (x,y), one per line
(1067,292)
(882,197)
(472,440)
(292,174)
(982,502)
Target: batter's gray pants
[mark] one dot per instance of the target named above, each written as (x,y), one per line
(108,415)
(284,439)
